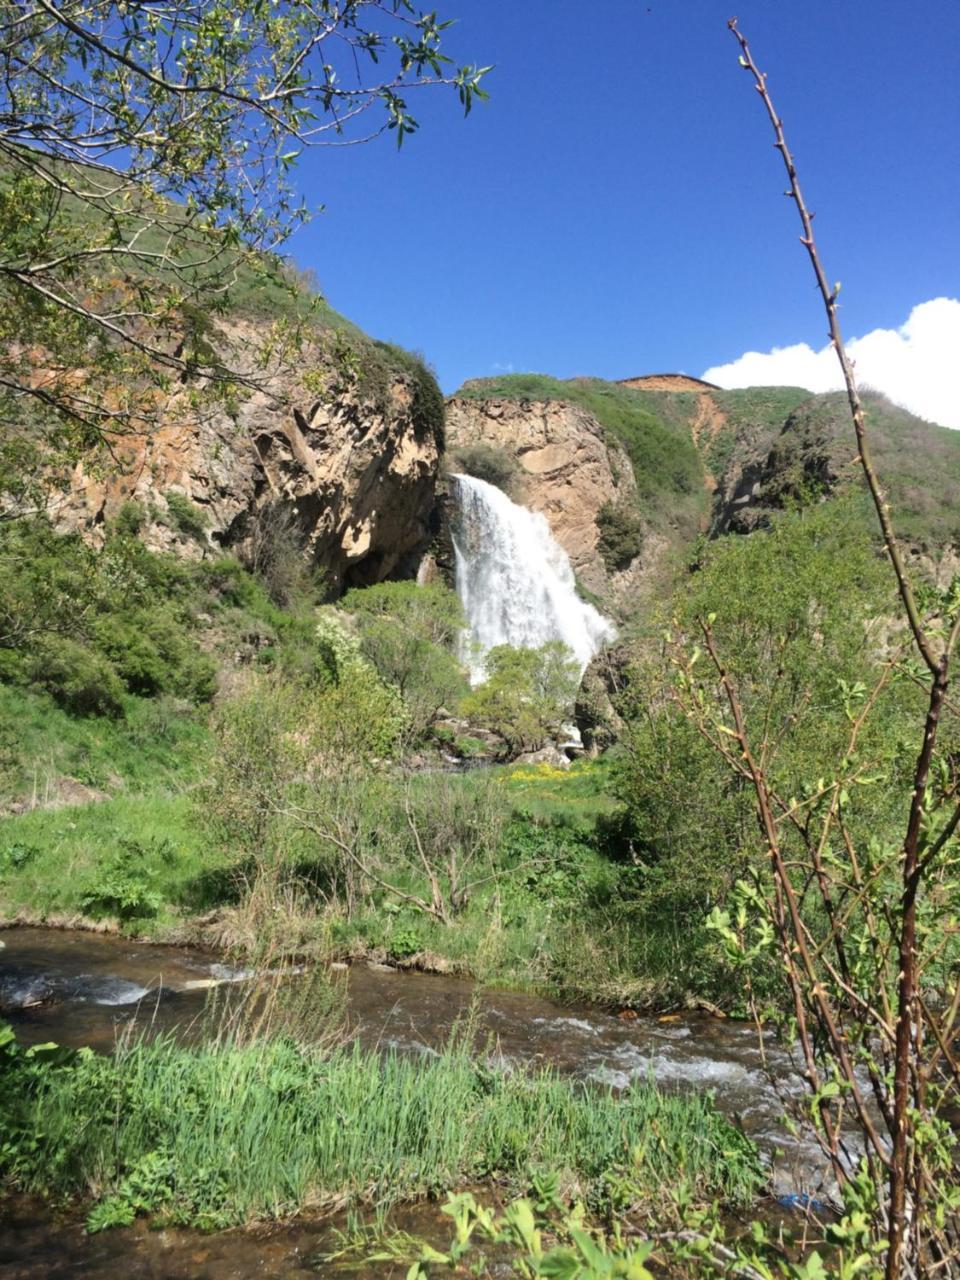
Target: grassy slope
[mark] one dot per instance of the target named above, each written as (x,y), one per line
(146,755)
(753,416)
(554,920)
(154,745)
(917,461)
(49,859)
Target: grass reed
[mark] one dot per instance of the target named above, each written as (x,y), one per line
(232,1132)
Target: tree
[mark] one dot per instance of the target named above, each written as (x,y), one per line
(859,918)
(528,694)
(146,158)
(408,633)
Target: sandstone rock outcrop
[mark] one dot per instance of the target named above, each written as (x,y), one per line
(566,468)
(353,475)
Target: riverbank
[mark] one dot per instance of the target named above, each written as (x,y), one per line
(80,989)
(561,1104)
(548,910)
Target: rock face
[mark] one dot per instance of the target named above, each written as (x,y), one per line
(351,476)
(604,682)
(566,468)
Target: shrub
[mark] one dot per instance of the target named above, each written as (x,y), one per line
(154,653)
(130,519)
(528,695)
(485,462)
(122,887)
(185,516)
(434,611)
(405,941)
(275,554)
(77,678)
(407,632)
(621,535)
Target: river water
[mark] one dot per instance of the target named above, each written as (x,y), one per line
(83,988)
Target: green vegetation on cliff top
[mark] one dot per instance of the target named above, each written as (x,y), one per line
(918,462)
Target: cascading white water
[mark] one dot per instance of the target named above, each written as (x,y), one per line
(514,580)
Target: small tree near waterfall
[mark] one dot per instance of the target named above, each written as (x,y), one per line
(410,634)
(528,694)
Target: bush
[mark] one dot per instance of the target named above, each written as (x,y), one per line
(485,462)
(405,941)
(621,535)
(133,613)
(275,555)
(129,519)
(154,653)
(407,633)
(78,679)
(527,696)
(185,516)
(799,614)
(122,888)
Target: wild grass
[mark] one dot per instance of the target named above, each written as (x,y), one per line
(753,416)
(917,461)
(159,742)
(228,1134)
(575,798)
(51,860)
(547,920)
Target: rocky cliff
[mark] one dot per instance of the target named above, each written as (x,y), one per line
(347,463)
(565,468)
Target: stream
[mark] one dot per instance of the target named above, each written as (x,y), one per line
(85,989)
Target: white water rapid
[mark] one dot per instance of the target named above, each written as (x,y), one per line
(514,580)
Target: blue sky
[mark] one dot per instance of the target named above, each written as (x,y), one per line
(616,208)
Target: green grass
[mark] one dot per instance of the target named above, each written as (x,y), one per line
(803,435)
(759,407)
(222,1134)
(157,743)
(51,859)
(918,462)
(575,798)
(754,415)
(556,917)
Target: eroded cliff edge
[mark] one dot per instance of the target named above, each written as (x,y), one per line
(348,462)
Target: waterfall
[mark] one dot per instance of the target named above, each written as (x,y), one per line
(514,580)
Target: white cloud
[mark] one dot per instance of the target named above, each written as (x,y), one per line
(915,365)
